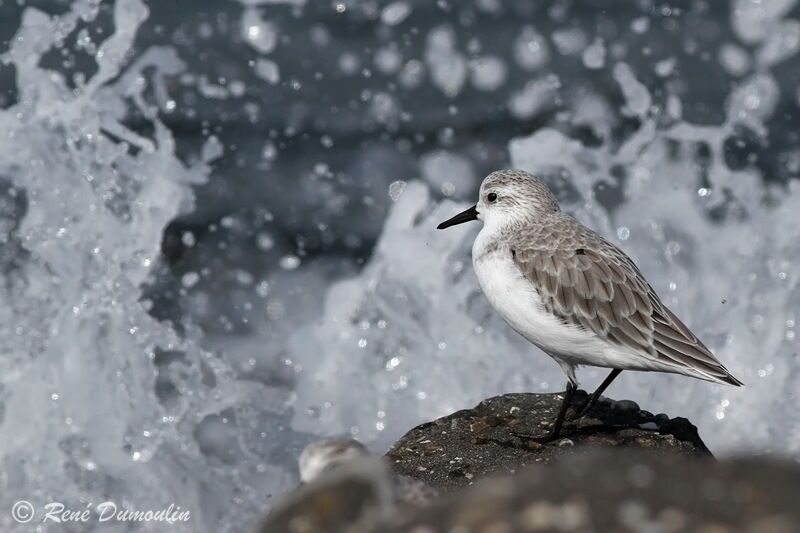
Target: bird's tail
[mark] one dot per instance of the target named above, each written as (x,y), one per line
(720,375)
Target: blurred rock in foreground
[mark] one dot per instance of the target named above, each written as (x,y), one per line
(621,469)
(614,491)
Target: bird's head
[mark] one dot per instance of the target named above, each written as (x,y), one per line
(507,196)
(322,455)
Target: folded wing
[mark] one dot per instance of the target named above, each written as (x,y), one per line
(597,287)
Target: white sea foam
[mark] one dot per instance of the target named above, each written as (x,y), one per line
(97,397)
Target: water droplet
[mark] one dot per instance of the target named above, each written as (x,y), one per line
(264,242)
(190,279)
(395,13)
(396,189)
(262,289)
(188,239)
(289,262)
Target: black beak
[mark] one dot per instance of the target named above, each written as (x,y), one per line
(464,216)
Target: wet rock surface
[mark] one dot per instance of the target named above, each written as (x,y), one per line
(499,436)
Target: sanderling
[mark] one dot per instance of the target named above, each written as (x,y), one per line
(325,454)
(334,453)
(572,293)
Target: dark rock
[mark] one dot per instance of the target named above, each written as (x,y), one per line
(616,491)
(498,436)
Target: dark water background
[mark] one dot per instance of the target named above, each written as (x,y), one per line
(322,190)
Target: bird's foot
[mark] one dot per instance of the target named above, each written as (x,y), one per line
(580,413)
(539,439)
(552,436)
(558,424)
(584,410)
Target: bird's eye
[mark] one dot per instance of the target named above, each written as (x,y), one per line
(492,196)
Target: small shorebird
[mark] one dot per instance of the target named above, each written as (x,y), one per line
(326,455)
(572,293)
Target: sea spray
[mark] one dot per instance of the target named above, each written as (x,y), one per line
(98,399)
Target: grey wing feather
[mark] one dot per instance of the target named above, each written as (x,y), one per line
(589,282)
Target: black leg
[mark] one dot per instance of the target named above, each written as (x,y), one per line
(562,413)
(596,394)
